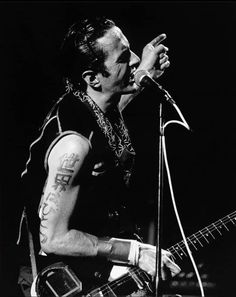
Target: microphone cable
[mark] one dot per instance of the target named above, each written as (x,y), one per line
(183,123)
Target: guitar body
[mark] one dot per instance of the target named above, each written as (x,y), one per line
(57,280)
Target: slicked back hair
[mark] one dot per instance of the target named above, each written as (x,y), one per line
(80,50)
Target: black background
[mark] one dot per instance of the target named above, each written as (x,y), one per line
(201,42)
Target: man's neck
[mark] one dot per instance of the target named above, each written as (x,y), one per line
(104,101)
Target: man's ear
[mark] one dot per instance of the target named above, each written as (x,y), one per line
(91,78)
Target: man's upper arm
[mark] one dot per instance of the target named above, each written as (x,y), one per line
(65,163)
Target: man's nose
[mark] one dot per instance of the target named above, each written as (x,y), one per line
(134,59)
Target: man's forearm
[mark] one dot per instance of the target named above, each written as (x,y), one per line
(73,243)
(80,244)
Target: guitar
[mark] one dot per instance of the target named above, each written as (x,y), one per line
(59,280)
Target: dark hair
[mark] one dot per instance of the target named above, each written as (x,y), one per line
(80,50)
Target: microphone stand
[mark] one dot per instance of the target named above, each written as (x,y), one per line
(142,79)
(159,207)
(169,99)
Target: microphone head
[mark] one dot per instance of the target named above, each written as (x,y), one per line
(142,78)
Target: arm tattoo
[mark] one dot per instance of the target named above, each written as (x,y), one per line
(62,179)
(65,171)
(50,205)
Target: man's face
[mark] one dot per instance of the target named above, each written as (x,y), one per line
(120,63)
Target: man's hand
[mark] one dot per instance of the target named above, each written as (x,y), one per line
(154,57)
(147,261)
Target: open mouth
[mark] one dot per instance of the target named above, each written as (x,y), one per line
(131,78)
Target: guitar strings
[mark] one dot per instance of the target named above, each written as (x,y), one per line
(207,230)
(202,234)
(106,288)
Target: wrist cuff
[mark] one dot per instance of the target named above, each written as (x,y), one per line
(104,248)
(119,250)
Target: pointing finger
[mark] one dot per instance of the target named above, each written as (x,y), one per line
(158,39)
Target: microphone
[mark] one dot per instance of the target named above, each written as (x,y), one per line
(143,78)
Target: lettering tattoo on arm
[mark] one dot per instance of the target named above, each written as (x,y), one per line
(62,179)
(50,205)
(65,171)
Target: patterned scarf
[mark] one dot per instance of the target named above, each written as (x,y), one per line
(115,132)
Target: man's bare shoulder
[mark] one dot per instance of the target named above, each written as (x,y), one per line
(70,144)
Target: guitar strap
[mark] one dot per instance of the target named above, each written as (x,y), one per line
(30,242)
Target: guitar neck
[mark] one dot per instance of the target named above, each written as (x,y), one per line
(204,236)
(126,284)
(138,277)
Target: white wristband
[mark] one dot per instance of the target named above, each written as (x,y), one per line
(134,252)
(133,256)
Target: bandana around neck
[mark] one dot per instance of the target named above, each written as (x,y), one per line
(114,131)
